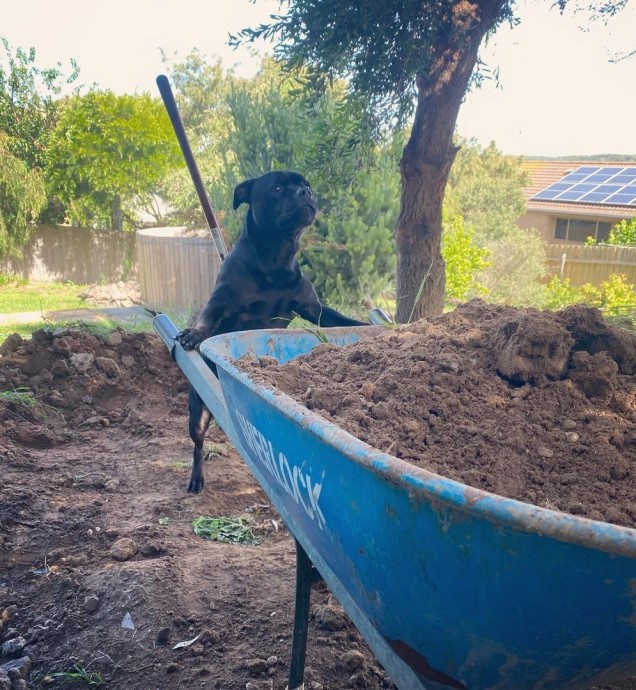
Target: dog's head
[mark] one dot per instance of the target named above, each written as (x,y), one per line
(279,201)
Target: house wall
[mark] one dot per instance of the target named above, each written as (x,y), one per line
(542,222)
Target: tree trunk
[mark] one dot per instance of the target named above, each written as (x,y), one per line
(428,157)
(117,215)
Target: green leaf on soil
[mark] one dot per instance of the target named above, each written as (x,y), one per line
(225,529)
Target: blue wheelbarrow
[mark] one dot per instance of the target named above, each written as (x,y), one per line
(452,587)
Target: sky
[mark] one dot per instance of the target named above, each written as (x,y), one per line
(558,92)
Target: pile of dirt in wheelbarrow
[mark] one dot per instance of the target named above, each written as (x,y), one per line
(532,405)
(101,574)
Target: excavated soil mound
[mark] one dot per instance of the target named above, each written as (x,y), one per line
(537,406)
(100,571)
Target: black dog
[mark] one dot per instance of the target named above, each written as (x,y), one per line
(260,284)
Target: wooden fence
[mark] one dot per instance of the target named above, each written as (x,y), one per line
(177,269)
(61,253)
(582,264)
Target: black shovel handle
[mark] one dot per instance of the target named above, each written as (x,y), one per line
(177,124)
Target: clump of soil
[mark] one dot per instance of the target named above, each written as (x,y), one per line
(536,406)
(100,570)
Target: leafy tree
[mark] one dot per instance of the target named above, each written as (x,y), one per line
(615,296)
(486,189)
(27,102)
(273,121)
(464,260)
(22,197)
(623,233)
(517,268)
(400,56)
(106,152)
(350,252)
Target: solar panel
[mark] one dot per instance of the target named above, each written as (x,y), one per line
(605,185)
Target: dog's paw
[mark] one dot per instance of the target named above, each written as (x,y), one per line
(191,338)
(195,485)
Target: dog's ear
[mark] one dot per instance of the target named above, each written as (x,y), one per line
(243,193)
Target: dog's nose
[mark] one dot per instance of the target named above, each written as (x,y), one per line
(303,191)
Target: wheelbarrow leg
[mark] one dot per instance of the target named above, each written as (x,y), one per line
(306,575)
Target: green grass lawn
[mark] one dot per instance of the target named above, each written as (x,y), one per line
(18,296)
(23,296)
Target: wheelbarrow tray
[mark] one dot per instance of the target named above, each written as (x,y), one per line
(451,586)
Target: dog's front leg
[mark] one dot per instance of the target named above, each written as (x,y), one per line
(207,325)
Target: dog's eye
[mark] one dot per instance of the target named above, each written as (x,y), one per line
(277,188)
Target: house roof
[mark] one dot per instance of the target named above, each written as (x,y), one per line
(543,173)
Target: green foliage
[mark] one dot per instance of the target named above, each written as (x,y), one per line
(225,529)
(623,233)
(106,153)
(464,260)
(273,121)
(27,102)
(350,252)
(22,197)
(380,46)
(93,679)
(613,296)
(486,188)
(517,268)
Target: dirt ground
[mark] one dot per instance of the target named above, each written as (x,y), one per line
(103,457)
(100,571)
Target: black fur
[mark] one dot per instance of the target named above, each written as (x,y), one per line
(260,284)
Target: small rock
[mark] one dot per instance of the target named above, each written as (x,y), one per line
(124,549)
(328,617)
(111,485)
(352,660)
(198,650)
(150,549)
(91,604)
(163,636)
(259,685)
(612,514)
(5,683)
(9,612)
(82,361)
(572,436)
(11,343)
(114,338)
(367,390)
(128,361)
(13,647)
(210,637)
(172,667)
(256,666)
(568,425)
(60,368)
(17,668)
(544,452)
(108,366)
(272,661)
